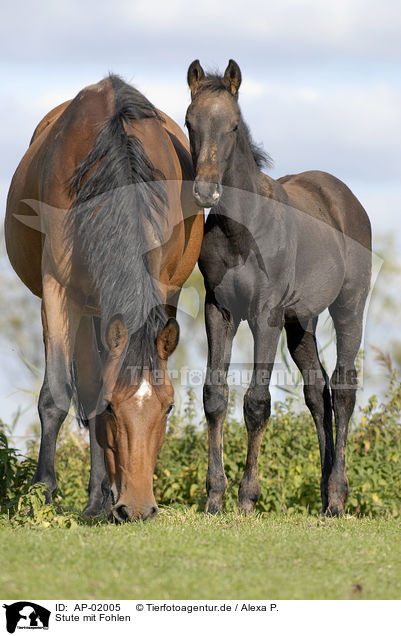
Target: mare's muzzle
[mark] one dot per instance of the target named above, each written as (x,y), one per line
(123,513)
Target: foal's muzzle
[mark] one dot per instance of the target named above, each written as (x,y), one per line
(206,193)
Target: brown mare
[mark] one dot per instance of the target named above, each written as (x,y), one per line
(100,225)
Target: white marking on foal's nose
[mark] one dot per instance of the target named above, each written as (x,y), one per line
(143,392)
(215,195)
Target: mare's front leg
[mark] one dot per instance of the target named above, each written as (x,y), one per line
(257,406)
(60,318)
(89,383)
(220,329)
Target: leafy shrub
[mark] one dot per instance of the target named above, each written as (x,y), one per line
(73,468)
(289,468)
(289,472)
(374,456)
(289,464)
(32,510)
(16,472)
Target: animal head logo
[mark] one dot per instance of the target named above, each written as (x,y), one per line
(26,615)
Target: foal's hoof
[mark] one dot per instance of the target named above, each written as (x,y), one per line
(246,506)
(338,494)
(214,505)
(334,510)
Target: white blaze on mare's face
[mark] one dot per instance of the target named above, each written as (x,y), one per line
(143,392)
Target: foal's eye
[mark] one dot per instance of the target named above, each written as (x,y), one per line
(235,128)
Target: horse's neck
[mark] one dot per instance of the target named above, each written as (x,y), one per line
(247,193)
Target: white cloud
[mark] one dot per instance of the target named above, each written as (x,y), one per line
(317,89)
(354,131)
(259,33)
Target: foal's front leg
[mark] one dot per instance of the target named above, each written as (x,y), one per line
(257,407)
(220,328)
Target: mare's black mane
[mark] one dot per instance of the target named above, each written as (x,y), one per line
(117,190)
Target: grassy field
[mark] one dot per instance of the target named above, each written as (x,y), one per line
(187,555)
(285,551)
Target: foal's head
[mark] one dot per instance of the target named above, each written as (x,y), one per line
(132,426)
(213,120)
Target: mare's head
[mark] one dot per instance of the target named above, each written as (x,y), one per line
(132,426)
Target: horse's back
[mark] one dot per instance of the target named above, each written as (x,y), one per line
(42,178)
(326,198)
(333,237)
(61,141)
(49,119)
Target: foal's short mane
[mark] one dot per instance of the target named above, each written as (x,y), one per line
(214,83)
(117,190)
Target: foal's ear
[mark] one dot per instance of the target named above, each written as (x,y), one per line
(194,76)
(116,335)
(232,77)
(167,339)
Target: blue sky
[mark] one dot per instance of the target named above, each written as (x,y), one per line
(321,81)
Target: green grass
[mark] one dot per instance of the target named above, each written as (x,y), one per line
(187,555)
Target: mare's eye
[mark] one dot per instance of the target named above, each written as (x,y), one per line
(170,408)
(109,409)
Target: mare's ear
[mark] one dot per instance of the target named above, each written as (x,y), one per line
(167,339)
(116,336)
(194,76)
(232,77)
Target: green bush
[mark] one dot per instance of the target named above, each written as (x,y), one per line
(289,468)
(16,472)
(23,503)
(289,465)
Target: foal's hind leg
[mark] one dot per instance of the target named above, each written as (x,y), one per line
(60,320)
(347,314)
(88,370)
(303,348)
